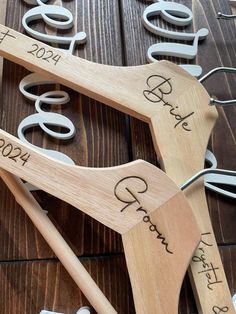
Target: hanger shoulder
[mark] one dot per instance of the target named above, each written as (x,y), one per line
(102,193)
(173,102)
(175,105)
(138,200)
(108,84)
(181,138)
(168,237)
(128,89)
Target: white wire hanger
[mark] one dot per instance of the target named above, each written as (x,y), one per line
(227,16)
(213,176)
(214,101)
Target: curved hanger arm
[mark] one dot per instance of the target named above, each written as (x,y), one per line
(124,88)
(102,193)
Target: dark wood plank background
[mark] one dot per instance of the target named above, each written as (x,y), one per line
(31,278)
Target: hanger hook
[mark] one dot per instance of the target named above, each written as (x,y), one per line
(210,73)
(204,172)
(225,16)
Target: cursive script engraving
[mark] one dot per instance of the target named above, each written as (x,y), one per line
(204,241)
(6,34)
(211,275)
(208,269)
(130,198)
(159,87)
(218,310)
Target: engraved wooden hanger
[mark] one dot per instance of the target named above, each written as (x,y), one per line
(138,200)
(174,104)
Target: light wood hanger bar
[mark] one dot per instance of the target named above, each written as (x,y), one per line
(176,107)
(119,87)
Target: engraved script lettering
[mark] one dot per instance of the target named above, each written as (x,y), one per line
(218,310)
(6,34)
(160,86)
(211,275)
(208,269)
(131,198)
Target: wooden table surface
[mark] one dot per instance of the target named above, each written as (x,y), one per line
(31,278)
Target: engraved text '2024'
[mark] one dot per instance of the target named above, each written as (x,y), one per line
(44,54)
(13,152)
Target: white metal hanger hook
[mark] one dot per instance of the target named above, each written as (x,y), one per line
(228,16)
(212,72)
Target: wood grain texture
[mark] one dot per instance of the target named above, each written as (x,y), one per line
(218,49)
(31,286)
(103,190)
(57,243)
(151,279)
(46,285)
(101,82)
(150,242)
(101,132)
(96,135)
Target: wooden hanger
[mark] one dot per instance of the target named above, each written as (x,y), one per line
(175,105)
(138,200)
